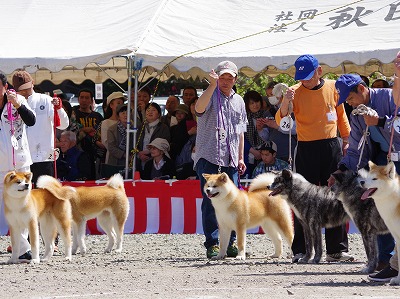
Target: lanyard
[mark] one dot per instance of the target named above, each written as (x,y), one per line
(14,142)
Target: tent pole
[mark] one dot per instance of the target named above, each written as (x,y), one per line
(131,67)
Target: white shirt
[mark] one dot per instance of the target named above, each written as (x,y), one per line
(21,155)
(41,135)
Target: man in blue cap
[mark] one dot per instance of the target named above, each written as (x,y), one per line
(354,91)
(318,119)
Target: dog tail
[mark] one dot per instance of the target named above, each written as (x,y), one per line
(262,181)
(55,187)
(116,182)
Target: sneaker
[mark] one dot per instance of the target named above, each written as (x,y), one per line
(385,275)
(232,250)
(297,257)
(26,256)
(212,251)
(381,266)
(339,257)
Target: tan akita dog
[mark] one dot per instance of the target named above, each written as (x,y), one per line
(239,210)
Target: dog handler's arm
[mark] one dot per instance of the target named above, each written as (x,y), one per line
(205,98)
(284,109)
(289,96)
(241,164)
(396,80)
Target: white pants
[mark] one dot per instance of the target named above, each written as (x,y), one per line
(24,245)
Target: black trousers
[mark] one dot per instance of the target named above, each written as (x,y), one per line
(42,168)
(316,160)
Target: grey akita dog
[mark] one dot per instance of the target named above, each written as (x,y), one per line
(315,207)
(363,213)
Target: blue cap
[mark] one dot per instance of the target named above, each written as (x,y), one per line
(305,67)
(344,85)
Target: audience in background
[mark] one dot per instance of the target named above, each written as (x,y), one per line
(89,120)
(151,129)
(160,165)
(380,83)
(171,104)
(117,137)
(188,95)
(269,161)
(254,103)
(179,132)
(110,118)
(143,98)
(73,164)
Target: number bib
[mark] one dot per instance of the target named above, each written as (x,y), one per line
(14,142)
(286,123)
(221,134)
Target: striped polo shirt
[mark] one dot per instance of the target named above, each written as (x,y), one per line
(232,118)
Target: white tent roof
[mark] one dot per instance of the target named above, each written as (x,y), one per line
(59,40)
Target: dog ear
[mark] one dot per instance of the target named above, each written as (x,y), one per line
(391,170)
(286,174)
(223,177)
(371,164)
(338,176)
(9,176)
(206,176)
(28,176)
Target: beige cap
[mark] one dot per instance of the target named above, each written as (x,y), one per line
(162,144)
(115,95)
(182,108)
(227,67)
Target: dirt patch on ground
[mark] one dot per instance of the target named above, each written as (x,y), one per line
(175,266)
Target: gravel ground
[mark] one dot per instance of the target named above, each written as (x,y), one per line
(175,266)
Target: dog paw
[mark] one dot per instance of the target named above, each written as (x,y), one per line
(315,261)
(218,257)
(118,250)
(68,258)
(367,270)
(395,281)
(35,261)
(12,261)
(241,257)
(275,256)
(303,260)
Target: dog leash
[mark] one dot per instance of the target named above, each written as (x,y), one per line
(56,123)
(220,119)
(11,118)
(389,156)
(290,110)
(363,110)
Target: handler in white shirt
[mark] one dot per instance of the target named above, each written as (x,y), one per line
(41,135)
(15,115)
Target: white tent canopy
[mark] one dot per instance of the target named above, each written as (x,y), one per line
(58,40)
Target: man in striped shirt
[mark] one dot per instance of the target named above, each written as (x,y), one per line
(221,125)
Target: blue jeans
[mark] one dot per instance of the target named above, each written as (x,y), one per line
(210,224)
(385,247)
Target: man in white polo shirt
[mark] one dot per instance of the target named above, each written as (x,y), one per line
(41,135)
